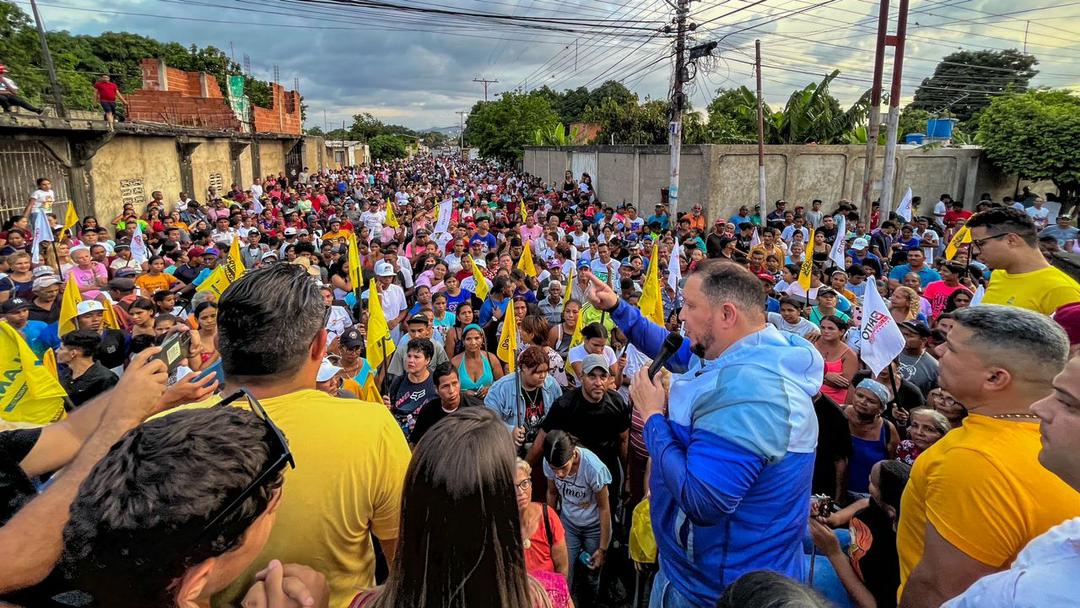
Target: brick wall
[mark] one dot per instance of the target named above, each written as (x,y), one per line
(194,99)
(284,114)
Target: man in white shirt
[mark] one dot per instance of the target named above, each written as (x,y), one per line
(581,239)
(392,297)
(256,188)
(1038,213)
(222,232)
(373,218)
(941,208)
(9,94)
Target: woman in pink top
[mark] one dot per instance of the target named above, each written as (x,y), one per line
(89,275)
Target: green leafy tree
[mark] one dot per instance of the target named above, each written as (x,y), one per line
(315,132)
(1034,135)
(387,147)
(501,129)
(964,82)
(434,139)
(913,120)
(733,117)
(813,115)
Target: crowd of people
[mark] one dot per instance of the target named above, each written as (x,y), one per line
(439,393)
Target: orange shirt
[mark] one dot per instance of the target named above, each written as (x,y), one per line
(150,285)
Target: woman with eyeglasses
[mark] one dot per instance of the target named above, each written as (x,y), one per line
(541,529)
(460,540)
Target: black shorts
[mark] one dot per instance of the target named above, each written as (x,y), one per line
(109,107)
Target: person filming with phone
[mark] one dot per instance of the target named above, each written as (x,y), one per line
(732,461)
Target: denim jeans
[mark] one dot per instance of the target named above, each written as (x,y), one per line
(579,540)
(665,595)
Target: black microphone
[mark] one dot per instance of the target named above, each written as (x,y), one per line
(671,345)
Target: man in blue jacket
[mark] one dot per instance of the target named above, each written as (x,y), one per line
(732,460)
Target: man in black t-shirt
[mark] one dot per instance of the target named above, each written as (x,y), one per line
(82,377)
(598,416)
(450,400)
(115,343)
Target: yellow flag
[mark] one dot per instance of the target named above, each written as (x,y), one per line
(108,316)
(354,262)
(379,343)
(524,212)
(216,281)
(234,264)
(652,302)
(70,220)
(569,287)
(28,392)
(576,338)
(48,360)
(507,350)
(68,303)
(391,219)
(525,264)
(962,236)
(807,268)
(481,290)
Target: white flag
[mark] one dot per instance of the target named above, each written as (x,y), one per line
(880,340)
(977,297)
(138,245)
(256,205)
(42,233)
(837,253)
(674,270)
(904,209)
(446,209)
(755,240)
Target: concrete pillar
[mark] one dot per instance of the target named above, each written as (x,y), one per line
(163,77)
(972,177)
(204,87)
(637,177)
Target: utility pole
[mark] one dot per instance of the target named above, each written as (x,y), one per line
(1027,24)
(461,129)
(874,127)
(678,101)
(760,127)
(46,57)
(325,123)
(889,170)
(486,83)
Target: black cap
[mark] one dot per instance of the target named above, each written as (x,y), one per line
(918,327)
(14,305)
(122,284)
(351,338)
(418,318)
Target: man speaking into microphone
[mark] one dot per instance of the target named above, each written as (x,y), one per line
(733,459)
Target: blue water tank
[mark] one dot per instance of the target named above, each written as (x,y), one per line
(940,128)
(915,139)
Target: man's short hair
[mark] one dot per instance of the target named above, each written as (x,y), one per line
(725,281)
(421,345)
(1004,220)
(1012,337)
(441,371)
(267,320)
(137,523)
(86,340)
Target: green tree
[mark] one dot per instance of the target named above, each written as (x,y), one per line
(387,147)
(434,139)
(913,120)
(813,115)
(733,117)
(501,129)
(964,82)
(1034,135)
(315,132)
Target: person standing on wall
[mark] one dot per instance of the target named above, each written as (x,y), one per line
(107,94)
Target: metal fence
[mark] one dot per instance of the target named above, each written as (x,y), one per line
(21,164)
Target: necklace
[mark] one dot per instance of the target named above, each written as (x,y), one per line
(1017,416)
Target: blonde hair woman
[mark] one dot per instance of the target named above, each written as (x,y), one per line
(904,304)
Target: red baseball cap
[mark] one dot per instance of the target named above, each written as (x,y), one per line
(764,276)
(1068,317)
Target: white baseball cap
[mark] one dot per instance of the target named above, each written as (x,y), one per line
(327,370)
(87,306)
(384,269)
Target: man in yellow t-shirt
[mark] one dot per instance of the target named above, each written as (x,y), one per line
(1006,241)
(978,495)
(351,456)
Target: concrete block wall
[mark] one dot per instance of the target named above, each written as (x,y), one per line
(723,177)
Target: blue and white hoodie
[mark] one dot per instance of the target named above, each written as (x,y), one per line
(733,460)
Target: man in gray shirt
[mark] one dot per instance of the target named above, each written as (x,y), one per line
(552,306)
(916,365)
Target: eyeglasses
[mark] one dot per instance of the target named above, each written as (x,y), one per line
(522,486)
(980,242)
(279,455)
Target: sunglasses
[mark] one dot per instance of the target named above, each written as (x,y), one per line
(279,455)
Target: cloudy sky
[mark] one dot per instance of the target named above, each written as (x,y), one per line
(418,69)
